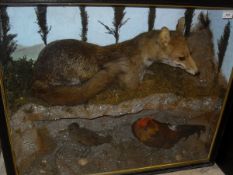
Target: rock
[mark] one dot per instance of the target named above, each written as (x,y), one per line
(37,130)
(25,147)
(30,142)
(82,162)
(152,102)
(178,157)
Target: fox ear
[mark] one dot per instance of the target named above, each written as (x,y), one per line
(180,25)
(164,37)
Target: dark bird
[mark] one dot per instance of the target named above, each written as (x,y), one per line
(85,136)
(162,135)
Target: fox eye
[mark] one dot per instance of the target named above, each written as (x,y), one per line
(150,59)
(181,58)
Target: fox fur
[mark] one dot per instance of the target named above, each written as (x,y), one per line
(70,72)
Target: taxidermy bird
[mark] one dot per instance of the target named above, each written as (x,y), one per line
(162,135)
(85,136)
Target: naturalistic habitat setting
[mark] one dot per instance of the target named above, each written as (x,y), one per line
(118,88)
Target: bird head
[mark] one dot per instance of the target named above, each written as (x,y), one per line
(145,128)
(73,126)
(143,122)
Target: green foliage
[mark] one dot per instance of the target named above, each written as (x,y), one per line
(118,22)
(18,78)
(151,18)
(41,13)
(189,13)
(7,43)
(204,20)
(223,43)
(84,19)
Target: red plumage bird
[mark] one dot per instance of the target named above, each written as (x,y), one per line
(162,135)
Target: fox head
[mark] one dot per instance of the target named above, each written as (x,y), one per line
(172,49)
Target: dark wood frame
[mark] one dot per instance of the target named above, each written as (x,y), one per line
(5,134)
(224,149)
(228,103)
(193,3)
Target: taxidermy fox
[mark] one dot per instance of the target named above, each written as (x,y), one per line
(70,72)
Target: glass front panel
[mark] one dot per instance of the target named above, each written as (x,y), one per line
(105,89)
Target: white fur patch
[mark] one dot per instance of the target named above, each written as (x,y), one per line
(172,127)
(148,62)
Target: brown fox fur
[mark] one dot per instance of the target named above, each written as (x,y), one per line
(70,72)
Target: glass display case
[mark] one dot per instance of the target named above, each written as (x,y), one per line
(113,87)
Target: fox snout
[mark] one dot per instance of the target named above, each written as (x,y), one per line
(191,67)
(193,71)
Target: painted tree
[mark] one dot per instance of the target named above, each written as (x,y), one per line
(189,13)
(118,22)
(151,18)
(41,14)
(84,20)
(204,20)
(223,43)
(7,42)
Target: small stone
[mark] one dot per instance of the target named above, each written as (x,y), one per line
(178,157)
(82,162)
(42,171)
(44,161)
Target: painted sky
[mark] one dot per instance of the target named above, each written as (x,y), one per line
(217,27)
(65,22)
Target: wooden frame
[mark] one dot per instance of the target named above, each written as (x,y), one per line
(205,3)
(5,131)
